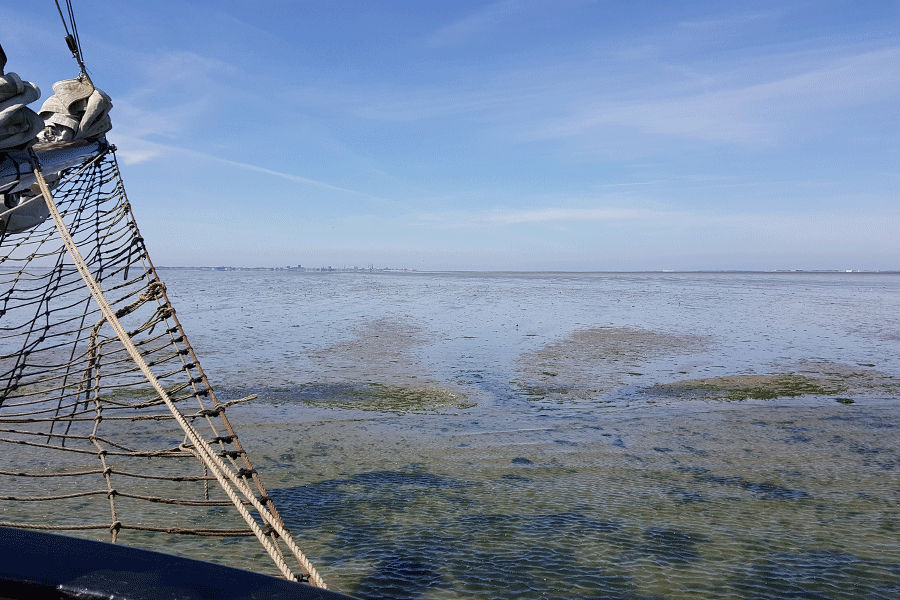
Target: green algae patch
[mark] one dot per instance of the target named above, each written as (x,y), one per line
(751,387)
(380,397)
(132,395)
(809,378)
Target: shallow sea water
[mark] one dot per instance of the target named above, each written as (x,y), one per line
(568,435)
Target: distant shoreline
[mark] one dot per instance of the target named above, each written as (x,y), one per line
(326,270)
(400,270)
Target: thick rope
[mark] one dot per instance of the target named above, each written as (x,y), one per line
(225,476)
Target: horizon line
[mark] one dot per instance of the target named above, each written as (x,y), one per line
(419,270)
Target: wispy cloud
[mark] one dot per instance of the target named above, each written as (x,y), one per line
(553,216)
(719,25)
(750,114)
(136,121)
(287,176)
(178,68)
(721,30)
(140,150)
(175,88)
(135,151)
(624,184)
(546,215)
(476,23)
(756,101)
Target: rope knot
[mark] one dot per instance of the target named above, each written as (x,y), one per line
(155,289)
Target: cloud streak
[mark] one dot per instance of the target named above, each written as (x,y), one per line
(140,150)
(548,215)
(761,102)
(474,24)
(751,114)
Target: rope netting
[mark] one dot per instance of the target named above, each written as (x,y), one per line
(89,440)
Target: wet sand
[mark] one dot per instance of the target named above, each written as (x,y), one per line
(761,499)
(522,436)
(671,498)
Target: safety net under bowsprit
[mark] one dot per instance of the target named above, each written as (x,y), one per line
(92,441)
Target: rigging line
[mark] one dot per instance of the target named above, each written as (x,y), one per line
(65,25)
(72,40)
(74,27)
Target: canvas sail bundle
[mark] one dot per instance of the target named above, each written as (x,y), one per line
(19,125)
(77,110)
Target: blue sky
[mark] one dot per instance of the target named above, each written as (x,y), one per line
(514,134)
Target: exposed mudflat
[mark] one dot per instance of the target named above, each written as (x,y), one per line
(494,436)
(378,350)
(592,361)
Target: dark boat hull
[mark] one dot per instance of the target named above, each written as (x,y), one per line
(45,566)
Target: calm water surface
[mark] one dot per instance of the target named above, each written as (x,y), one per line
(569,435)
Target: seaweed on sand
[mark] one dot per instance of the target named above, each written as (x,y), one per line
(751,387)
